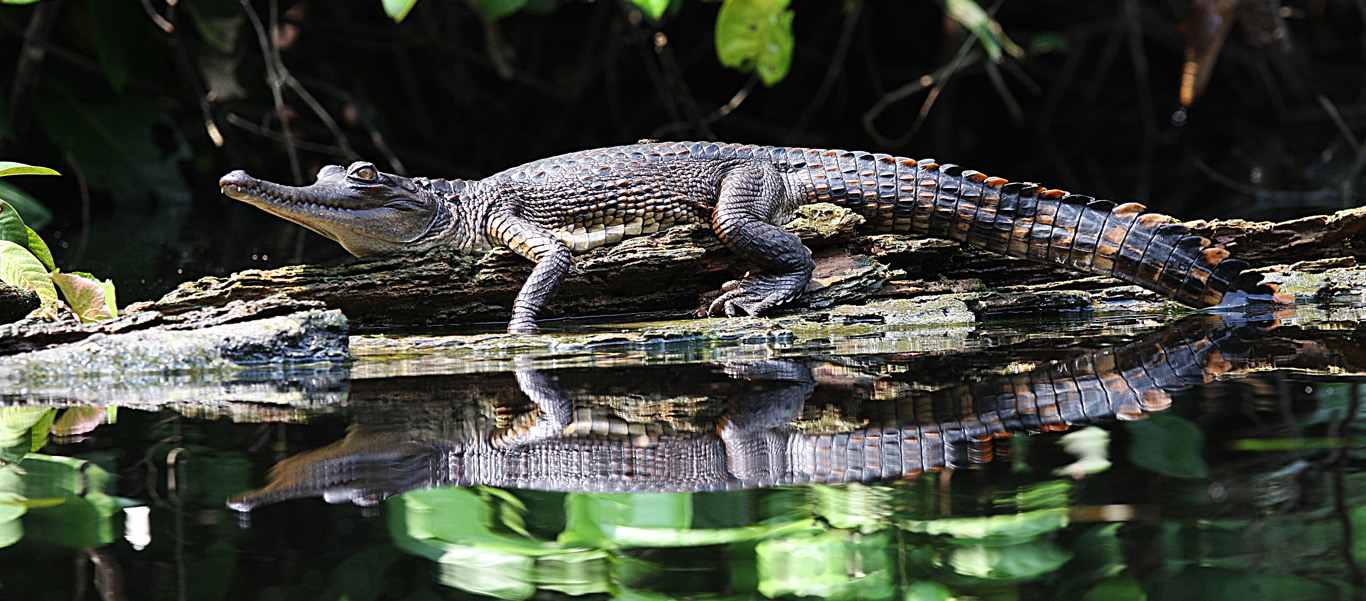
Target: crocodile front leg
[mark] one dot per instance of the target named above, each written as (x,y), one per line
(552,263)
(749,198)
(553,413)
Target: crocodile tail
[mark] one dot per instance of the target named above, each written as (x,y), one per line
(1025,220)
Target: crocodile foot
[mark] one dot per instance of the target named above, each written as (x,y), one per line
(756,295)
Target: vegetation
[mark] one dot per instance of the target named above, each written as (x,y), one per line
(26,262)
(144,107)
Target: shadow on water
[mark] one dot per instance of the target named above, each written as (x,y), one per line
(1208,459)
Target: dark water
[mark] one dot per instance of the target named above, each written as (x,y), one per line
(1205,459)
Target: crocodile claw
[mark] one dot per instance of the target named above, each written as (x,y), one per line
(756,295)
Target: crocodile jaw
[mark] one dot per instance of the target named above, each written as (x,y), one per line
(364,223)
(297,205)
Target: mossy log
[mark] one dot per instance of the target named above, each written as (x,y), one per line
(119,365)
(16,302)
(679,269)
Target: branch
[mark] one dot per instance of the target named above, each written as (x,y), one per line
(271,54)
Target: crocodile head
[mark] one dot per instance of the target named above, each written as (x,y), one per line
(365,210)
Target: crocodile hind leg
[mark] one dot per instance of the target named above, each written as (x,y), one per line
(756,429)
(749,199)
(552,263)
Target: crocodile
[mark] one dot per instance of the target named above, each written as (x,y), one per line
(761,432)
(550,209)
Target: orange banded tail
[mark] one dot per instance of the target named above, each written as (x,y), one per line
(1025,220)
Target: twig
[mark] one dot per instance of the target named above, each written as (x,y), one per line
(108,575)
(1012,105)
(276,82)
(674,76)
(832,71)
(661,87)
(1340,505)
(376,137)
(1103,65)
(156,17)
(317,107)
(1332,110)
(729,107)
(937,83)
(31,55)
(931,80)
(1145,103)
(1349,178)
(1303,198)
(252,128)
(78,256)
(187,73)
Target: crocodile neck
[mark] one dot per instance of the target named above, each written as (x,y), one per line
(459,223)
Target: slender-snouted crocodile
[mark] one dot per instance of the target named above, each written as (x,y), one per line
(752,438)
(549,209)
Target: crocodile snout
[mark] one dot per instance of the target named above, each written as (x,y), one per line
(237,185)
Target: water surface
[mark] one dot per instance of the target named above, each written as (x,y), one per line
(1201,458)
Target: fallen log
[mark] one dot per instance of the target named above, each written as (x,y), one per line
(668,271)
(679,269)
(123,364)
(16,302)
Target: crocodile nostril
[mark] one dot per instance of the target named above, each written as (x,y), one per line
(237,178)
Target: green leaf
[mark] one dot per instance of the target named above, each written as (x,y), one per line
(994,530)
(11,509)
(654,9)
(971,16)
(39,432)
(497,9)
(1169,445)
(818,564)
(1357,519)
(756,35)
(1016,563)
(16,430)
(611,521)
(926,590)
(398,9)
(8,168)
(19,1)
(40,249)
(19,268)
(1116,588)
(91,299)
(85,517)
(12,226)
(33,212)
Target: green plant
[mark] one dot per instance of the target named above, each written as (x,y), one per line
(26,262)
(756,35)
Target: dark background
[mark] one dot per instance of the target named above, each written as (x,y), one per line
(120,106)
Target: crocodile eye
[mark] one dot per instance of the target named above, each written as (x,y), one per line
(364,172)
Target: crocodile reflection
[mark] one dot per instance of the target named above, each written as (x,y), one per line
(756,424)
